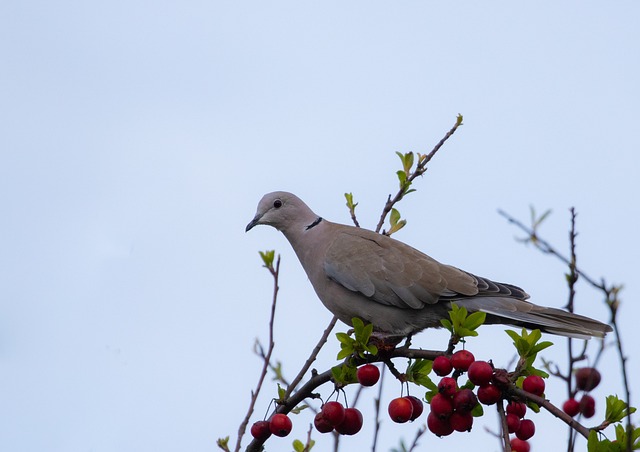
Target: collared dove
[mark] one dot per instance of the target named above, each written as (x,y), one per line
(400,290)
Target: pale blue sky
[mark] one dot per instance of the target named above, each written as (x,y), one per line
(138,137)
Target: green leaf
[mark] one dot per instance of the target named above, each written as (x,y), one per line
(418,372)
(344,374)
(267,257)
(617,409)
(223,443)
(402,177)
(475,319)
(298,446)
(350,204)
(477,411)
(394,217)
(281,393)
(299,408)
(462,324)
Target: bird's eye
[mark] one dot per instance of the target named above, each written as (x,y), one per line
(277,203)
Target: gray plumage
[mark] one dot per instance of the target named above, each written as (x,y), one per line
(400,290)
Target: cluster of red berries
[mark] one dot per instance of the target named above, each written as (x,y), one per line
(401,409)
(516,423)
(279,424)
(587,378)
(333,416)
(346,421)
(451,407)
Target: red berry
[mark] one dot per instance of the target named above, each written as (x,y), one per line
(333,412)
(533,384)
(464,401)
(280,424)
(517,408)
(527,429)
(489,394)
(322,424)
(260,430)
(518,445)
(448,386)
(440,427)
(571,407)
(441,406)
(442,366)
(352,422)
(513,422)
(400,410)
(462,359)
(368,375)
(480,373)
(461,422)
(587,378)
(587,406)
(418,407)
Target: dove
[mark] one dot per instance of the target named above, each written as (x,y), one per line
(359,273)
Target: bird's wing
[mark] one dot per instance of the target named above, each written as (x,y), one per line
(390,272)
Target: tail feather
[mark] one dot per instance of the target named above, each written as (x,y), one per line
(512,311)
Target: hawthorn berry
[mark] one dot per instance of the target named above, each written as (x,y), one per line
(527,429)
(533,384)
(441,406)
(448,386)
(280,424)
(517,408)
(439,427)
(461,422)
(587,378)
(462,359)
(442,366)
(322,424)
(571,407)
(518,445)
(513,422)
(333,412)
(587,406)
(480,373)
(464,401)
(260,430)
(418,407)
(400,410)
(489,394)
(368,375)
(352,422)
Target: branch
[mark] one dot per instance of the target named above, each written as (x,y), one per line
(420,170)
(267,359)
(312,357)
(551,408)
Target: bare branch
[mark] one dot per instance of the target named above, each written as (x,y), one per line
(267,359)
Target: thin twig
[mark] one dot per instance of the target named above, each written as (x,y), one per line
(551,408)
(421,168)
(267,359)
(506,443)
(419,433)
(312,357)
(377,410)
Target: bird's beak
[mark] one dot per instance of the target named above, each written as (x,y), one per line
(252,223)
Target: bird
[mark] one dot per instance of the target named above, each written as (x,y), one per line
(400,290)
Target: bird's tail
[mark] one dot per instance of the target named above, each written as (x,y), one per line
(512,311)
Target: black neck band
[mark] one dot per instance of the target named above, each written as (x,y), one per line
(315,223)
